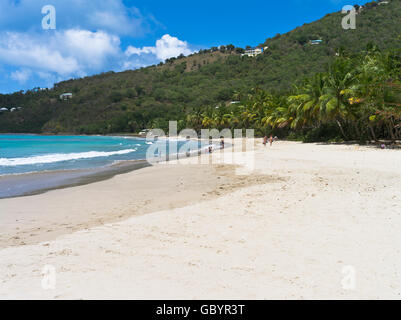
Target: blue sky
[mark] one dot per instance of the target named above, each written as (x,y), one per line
(94,36)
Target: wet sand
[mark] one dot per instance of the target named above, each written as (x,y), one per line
(36,183)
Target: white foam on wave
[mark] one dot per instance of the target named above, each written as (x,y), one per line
(58,157)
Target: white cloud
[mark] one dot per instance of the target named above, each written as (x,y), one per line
(22,50)
(21,76)
(165,48)
(111,16)
(91,48)
(138,51)
(168,47)
(86,40)
(70,52)
(77,53)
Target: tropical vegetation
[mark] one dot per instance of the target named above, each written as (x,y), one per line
(357,98)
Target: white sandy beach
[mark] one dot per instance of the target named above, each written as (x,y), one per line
(285,231)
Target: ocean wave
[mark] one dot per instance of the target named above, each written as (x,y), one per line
(59,157)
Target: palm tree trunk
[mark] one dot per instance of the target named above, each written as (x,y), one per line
(391,131)
(372,131)
(341,129)
(398,133)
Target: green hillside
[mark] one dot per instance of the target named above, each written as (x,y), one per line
(149,97)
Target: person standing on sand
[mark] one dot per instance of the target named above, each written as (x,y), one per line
(271,140)
(222,143)
(265,141)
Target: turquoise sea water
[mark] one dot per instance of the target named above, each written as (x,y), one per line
(33,153)
(31,164)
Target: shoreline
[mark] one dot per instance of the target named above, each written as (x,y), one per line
(33,183)
(37,182)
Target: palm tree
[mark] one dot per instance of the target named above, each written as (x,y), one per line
(307,103)
(195,119)
(207,118)
(377,95)
(334,102)
(237,96)
(363,99)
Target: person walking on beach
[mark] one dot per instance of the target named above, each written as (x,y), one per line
(265,141)
(271,140)
(222,143)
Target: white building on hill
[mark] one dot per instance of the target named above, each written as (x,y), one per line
(253,52)
(66,96)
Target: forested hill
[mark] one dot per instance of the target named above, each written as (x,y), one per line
(149,97)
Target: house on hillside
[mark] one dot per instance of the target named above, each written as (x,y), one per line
(315,42)
(66,96)
(3,109)
(253,52)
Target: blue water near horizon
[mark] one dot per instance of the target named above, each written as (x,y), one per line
(23,153)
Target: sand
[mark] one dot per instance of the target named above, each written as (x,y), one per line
(310,222)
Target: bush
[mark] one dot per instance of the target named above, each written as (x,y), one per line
(325,133)
(116,96)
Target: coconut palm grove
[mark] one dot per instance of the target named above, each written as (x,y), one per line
(357,98)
